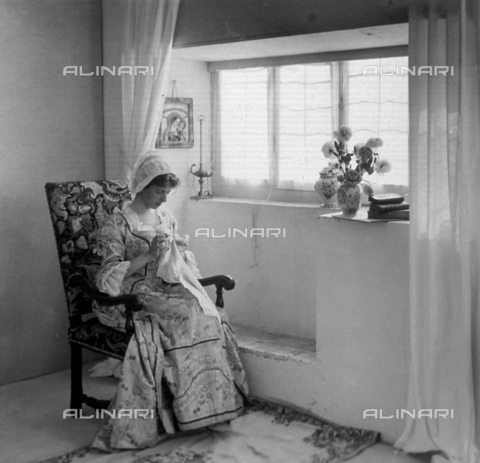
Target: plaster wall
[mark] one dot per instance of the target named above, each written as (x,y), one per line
(51,130)
(342,283)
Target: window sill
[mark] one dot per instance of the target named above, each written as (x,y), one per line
(360,216)
(274,346)
(325,213)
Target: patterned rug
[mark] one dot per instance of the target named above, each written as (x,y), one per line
(266,433)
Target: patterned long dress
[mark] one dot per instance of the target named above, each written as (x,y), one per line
(181,365)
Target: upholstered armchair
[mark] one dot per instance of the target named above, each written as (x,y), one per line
(77,210)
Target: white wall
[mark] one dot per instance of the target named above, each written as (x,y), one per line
(342,283)
(275,285)
(362,320)
(51,130)
(112,23)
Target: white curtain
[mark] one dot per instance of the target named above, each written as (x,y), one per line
(444,234)
(148,37)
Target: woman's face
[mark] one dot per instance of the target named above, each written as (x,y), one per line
(154,196)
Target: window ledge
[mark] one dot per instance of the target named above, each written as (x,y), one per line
(274,346)
(360,216)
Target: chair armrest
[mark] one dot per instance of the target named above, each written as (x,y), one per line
(131,302)
(221,282)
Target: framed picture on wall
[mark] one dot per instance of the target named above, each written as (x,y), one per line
(176,128)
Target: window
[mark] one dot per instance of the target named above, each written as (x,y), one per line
(273,121)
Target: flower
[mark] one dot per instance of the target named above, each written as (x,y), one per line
(365,153)
(333,165)
(374,142)
(367,160)
(368,189)
(343,133)
(328,149)
(382,166)
(356,149)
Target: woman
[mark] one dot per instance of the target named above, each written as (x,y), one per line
(182,364)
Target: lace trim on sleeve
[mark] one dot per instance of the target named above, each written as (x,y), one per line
(110,278)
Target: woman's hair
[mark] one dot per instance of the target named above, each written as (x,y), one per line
(165,180)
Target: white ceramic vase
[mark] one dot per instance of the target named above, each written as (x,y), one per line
(326,187)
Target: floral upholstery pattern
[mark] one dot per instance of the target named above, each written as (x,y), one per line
(100,338)
(77,210)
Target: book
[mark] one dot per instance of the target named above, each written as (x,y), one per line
(386,198)
(392,215)
(389,207)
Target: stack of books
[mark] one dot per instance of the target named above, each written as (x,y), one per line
(388,206)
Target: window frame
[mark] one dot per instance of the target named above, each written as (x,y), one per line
(267,190)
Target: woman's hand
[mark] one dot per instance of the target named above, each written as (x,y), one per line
(158,245)
(158,248)
(181,242)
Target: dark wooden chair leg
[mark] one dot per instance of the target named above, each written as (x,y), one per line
(76,389)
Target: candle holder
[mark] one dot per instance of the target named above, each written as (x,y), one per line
(200,173)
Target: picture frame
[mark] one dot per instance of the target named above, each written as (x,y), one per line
(176,128)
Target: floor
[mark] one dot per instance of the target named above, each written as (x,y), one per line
(32,425)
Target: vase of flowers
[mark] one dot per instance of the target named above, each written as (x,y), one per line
(326,187)
(350,166)
(349,193)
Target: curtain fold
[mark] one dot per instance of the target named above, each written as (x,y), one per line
(444,149)
(216,133)
(148,37)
